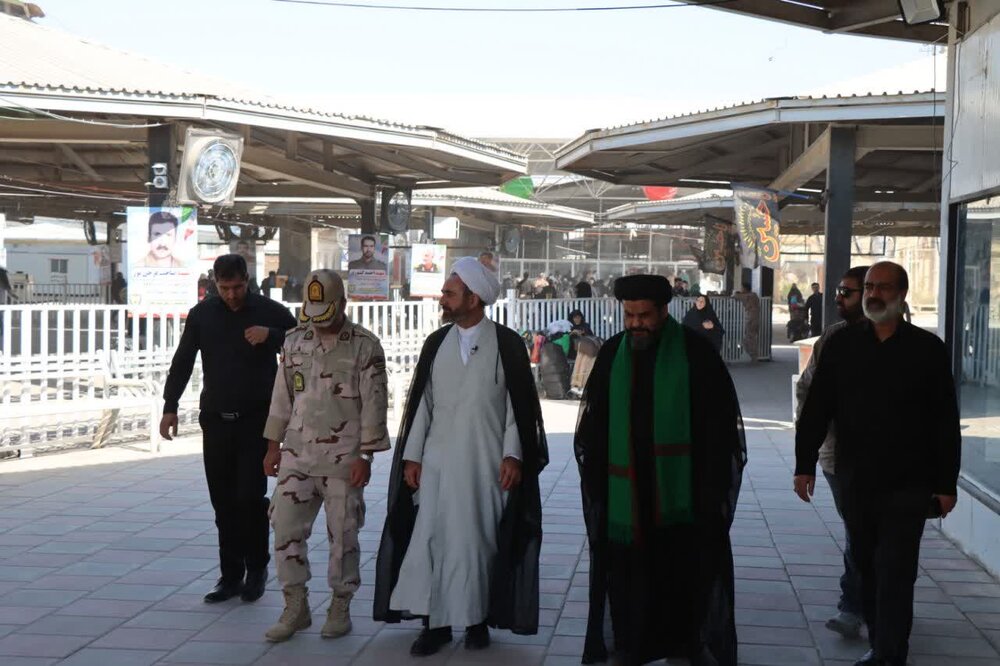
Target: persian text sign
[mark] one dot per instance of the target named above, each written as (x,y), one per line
(757,223)
(427,266)
(162,256)
(367,267)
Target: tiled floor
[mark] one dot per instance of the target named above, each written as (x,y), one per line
(104,557)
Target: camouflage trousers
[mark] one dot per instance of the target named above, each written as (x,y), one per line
(293,511)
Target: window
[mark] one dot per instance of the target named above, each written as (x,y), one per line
(59,266)
(978,374)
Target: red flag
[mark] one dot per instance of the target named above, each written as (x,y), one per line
(659,193)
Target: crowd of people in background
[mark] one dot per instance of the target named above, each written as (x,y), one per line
(588,285)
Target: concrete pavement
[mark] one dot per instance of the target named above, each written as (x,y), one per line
(105,557)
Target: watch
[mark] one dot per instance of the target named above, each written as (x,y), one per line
(368,456)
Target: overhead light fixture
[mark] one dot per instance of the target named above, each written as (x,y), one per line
(210,169)
(917,12)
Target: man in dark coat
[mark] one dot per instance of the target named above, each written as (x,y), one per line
(660,477)
(814,306)
(888,389)
(414,576)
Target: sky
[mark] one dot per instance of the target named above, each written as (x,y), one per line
(487,74)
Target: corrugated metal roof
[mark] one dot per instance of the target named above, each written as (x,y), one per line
(486,196)
(39,57)
(743,106)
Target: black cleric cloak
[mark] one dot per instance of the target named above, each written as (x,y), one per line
(514,588)
(679,573)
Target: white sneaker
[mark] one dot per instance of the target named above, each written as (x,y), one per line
(847,625)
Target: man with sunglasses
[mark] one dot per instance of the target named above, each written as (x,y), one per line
(848,619)
(888,387)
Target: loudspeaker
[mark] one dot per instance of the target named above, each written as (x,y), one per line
(916,12)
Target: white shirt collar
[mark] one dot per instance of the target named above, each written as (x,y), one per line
(467,338)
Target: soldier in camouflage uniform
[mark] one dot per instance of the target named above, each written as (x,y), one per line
(329,410)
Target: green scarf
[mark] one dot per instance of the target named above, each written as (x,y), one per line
(671,437)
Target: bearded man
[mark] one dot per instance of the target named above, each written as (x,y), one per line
(888,387)
(463,525)
(661,453)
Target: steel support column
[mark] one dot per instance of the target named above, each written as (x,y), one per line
(839,216)
(295,250)
(369,221)
(160,149)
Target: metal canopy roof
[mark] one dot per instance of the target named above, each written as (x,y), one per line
(480,207)
(73,117)
(899,144)
(896,218)
(872,18)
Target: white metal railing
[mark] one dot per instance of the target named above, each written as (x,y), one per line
(73,329)
(605,318)
(78,357)
(28,293)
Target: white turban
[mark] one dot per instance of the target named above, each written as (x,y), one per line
(480,280)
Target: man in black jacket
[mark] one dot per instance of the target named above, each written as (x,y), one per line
(239,336)
(888,387)
(814,307)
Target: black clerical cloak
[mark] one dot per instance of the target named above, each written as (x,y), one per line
(675,573)
(514,588)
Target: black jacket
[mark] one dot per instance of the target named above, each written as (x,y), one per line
(694,320)
(239,377)
(895,409)
(514,588)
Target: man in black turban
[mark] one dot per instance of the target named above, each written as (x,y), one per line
(661,454)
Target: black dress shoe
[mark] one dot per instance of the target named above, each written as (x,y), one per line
(477,637)
(430,641)
(702,657)
(869,660)
(253,588)
(224,590)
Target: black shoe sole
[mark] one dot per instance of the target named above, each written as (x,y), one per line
(252,597)
(426,650)
(213,598)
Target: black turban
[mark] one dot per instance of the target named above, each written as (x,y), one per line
(654,288)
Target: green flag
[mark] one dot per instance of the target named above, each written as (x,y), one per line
(522,187)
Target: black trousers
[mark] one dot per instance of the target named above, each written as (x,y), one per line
(234,467)
(885,530)
(850,580)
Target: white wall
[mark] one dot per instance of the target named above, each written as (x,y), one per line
(975,92)
(33,258)
(976,529)
(972,167)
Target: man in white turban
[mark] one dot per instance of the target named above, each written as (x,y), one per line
(478,278)
(469,451)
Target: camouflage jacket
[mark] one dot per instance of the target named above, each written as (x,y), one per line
(329,402)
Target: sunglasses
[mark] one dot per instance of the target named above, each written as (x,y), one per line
(844,292)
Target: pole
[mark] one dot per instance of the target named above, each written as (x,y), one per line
(839,216)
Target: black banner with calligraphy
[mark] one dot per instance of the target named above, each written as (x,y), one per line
(755,212)
(714,257)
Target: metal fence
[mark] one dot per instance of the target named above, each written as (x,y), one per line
(73,329)
(74,374)
(58,293)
